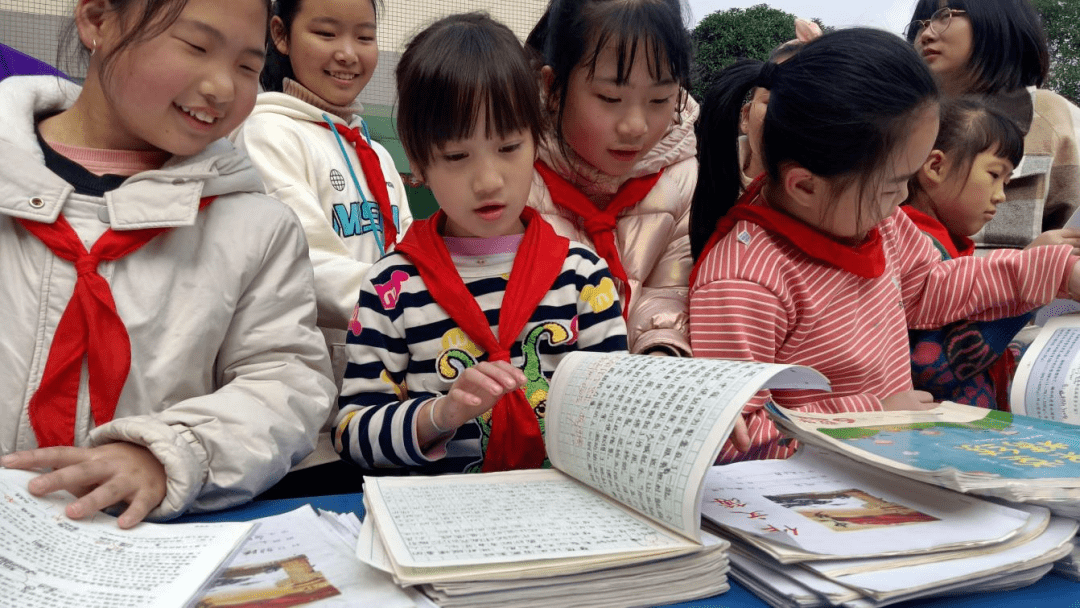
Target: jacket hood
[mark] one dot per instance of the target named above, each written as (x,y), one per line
(164,197)
(678,144)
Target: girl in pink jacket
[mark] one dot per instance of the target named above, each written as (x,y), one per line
(617,169)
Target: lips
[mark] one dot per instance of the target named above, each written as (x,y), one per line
(490,212)
(624,155)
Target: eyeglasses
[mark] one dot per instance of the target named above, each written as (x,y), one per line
(937,23)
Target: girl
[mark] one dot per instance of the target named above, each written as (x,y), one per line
(206,379)
(957,190)
(617,168)
(813,265)
(307,139)
(998,48)
(458,330)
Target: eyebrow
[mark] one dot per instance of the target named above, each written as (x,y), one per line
(332,21)
(219,37)
(655,84)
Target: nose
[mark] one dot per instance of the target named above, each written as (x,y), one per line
(346,51)
(487,180)
(998,196)
(925,35)
(218,86)
(633,124)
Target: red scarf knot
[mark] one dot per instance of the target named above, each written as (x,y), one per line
(515,441)
(371,166)
(866,260)
(600,223)
(90,326)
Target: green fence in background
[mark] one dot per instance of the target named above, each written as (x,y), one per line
(380,126)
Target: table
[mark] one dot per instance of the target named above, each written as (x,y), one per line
(1053,591)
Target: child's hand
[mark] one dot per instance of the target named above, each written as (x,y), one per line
(1061,236)
(740,437)
(474,393)
(908,400)
(100,477)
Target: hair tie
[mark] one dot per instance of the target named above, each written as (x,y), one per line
(766,75)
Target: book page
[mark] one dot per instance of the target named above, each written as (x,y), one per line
(1047,381)
(47,559)
(496,518)
(959,444)
(297,557)
(644,429)
(821,505)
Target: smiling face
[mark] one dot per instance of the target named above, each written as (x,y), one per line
(331,47)
(611,125)
(180,90)
(482,183)
(965,201)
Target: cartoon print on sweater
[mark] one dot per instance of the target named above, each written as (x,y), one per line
(400,388)
(460,353)
(355,327)
(390,291)
(600,297)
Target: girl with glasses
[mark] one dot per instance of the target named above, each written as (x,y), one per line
(997,48)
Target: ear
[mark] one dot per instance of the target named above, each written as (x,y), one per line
(547,79)
(279,35)
(92,19)
(935,170)
(744,118)
(802,188)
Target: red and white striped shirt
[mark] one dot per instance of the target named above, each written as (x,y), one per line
(759,297)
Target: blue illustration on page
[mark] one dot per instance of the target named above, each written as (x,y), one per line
(1001,444)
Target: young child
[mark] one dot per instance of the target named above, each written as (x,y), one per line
(205,376)
(954,194)
(458,331)
(814,265)
(617,168)
(307,139)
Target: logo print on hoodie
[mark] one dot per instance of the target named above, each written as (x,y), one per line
(337,180)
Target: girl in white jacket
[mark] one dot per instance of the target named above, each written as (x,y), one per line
(307,139)
(159,345)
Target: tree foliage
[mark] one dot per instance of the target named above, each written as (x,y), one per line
(1061,19)
(724,37)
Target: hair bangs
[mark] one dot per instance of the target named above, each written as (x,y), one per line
(632,27)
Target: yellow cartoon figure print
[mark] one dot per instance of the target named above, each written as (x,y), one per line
(600,297)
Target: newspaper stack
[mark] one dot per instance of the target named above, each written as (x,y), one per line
(821,530)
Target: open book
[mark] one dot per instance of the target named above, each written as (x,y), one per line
(964,448)
(1047,380)
(47,559)
(630,437)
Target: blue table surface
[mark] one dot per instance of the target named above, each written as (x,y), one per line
(1052,591)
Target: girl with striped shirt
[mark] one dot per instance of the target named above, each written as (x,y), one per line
(813,264)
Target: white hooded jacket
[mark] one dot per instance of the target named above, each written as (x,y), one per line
(229,378)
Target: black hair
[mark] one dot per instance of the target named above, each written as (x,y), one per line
(278,67)
(838,108)
(969,127)
(1008,44)
(452,71)
(152,19)
(572,33)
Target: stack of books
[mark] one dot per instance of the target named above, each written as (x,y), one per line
(820,529)
(615,522)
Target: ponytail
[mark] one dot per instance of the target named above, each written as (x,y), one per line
(719,170)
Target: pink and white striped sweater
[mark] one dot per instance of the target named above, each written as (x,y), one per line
(759,297)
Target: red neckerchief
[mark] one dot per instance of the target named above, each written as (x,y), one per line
(867,259)
(89,326)
(956,246)
(372,168)
(516,441)
(600,223)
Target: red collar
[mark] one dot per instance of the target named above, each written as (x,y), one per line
(954,245)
